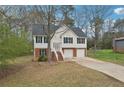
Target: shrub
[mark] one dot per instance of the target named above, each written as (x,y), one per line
(12,45)
(42,58)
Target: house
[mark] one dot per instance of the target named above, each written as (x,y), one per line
(118,45)
(66,42)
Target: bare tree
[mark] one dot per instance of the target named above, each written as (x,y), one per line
(67,12)
(94,18)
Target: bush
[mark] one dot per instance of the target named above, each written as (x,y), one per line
(42,58)
(12,45)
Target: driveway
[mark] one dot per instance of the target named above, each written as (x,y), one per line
(113,70)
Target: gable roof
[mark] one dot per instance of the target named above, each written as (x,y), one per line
(39,29)
(78,32)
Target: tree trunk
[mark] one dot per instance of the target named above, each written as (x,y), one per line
(95,47)
(49,51)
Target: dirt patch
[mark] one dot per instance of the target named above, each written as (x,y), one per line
(15,66)
(10,70)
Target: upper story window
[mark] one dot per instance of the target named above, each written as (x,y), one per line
(45,39)
(38,39)
(80,40)
(68,40)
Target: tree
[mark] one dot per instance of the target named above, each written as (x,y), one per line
(47,16)
(95,16)
(11,45)
(67,13)
(119,26)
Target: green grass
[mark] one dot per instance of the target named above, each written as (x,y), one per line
(66,74)
(107,55)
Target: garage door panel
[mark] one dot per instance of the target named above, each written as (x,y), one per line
(80,53)
(68,53)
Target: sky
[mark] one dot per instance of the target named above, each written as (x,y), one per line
(117,11)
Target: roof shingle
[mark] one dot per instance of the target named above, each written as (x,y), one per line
(39,29)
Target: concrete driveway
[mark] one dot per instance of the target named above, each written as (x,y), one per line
(113,70)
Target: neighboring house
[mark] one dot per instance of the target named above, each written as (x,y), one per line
(118,44)
(66,43)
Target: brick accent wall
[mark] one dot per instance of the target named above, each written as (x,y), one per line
(37,52)
(53,57)
(46,51)
(74,52)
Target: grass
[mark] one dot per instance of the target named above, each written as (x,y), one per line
(107,55)
(57,74)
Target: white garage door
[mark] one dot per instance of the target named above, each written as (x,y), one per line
(68,53)
(80,53)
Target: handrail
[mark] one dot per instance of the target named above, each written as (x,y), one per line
(62,53)
(55,54)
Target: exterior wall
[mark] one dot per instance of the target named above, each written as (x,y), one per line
(120,50)
(118,46)
(58,38)
(74,44)
(74,52)
(53,57)
(37,52)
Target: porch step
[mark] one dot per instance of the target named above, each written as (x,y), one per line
(60,58)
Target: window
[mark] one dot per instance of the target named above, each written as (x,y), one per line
(80,40)
(42,52)
(45,40)
(38,39)
(68,40)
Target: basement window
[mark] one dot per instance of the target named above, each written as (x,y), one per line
(42,52)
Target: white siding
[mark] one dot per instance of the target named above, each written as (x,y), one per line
(74,45)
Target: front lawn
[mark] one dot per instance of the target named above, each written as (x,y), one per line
(57,74)
(107,55)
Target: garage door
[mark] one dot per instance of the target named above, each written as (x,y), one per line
(80,53)
(68,53)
